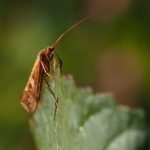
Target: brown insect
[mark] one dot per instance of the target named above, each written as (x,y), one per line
(31,94)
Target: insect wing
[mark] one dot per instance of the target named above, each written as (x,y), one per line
(31,93)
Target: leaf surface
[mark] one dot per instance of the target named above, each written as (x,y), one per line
(85,121)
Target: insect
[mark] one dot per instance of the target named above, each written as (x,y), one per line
(31,94)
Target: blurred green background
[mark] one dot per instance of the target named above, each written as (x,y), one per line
(110,52)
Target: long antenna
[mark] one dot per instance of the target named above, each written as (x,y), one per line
(72,27)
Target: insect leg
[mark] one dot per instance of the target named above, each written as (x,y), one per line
(46,71)
(54,97)
(60,61)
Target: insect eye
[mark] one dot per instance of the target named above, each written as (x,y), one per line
(43,58)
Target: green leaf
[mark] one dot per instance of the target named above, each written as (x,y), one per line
(85,121)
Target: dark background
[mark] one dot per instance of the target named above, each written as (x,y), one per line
(110,52)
